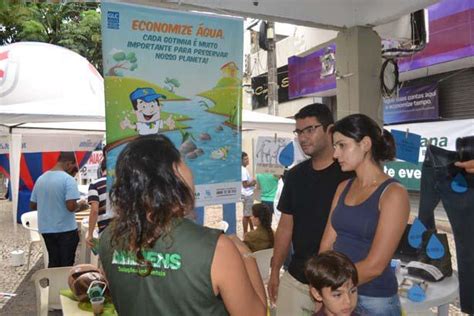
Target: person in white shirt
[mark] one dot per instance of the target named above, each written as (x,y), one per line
(248,186)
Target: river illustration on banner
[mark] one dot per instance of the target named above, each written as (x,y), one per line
(161,78)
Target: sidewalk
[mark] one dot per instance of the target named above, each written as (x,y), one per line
(11,277)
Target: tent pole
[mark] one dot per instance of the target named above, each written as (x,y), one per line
(15,156)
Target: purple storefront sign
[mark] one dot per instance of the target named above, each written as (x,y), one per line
(451,29)
(412,104)
(451,35)
(304,74)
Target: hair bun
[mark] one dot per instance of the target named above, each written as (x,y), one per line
(386,149)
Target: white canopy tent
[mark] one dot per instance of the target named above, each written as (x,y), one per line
(41,83)
(46,89)
(260,121)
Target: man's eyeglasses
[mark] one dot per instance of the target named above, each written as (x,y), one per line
(308,130)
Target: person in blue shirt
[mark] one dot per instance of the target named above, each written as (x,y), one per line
(55,196)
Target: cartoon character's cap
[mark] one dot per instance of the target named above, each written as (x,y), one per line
(145,94)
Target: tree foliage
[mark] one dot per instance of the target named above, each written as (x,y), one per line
(171,84)
(72,25)
(124,62)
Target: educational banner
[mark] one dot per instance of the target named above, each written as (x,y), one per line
(274,154)
(412,104)
(177,73)
(267,152)
(440,134)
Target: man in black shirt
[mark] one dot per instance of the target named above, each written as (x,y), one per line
(305,204)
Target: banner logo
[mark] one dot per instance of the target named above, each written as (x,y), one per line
(113,20)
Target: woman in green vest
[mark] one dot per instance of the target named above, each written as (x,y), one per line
(157,261)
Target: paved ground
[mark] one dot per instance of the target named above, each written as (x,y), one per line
(13,236)
(17,279)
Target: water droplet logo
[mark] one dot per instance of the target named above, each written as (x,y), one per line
(435,249)
(416,231)
(416,294)
(287,155)
(459,184)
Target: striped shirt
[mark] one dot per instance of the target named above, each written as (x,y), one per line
(98,193)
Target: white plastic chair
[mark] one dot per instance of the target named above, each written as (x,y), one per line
(29,220)
(263,258)
(47,297)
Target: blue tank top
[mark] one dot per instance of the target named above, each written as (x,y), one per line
(355,227)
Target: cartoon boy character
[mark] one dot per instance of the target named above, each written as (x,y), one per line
(147,107)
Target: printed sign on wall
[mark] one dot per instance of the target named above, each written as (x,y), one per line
(267,153)
(440,134)
(412,104)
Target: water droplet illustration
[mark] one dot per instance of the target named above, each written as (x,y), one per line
(459,184)
(434,249)
(287,155)
(416,231)
(416,294)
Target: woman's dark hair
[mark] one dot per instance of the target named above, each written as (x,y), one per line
(317,110)
(357,126)
(330,269)
(244,154)
(263,213)
(147,194)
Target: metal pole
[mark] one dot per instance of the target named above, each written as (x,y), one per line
(272,96)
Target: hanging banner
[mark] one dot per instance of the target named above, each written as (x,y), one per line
(185,71)
(412,104)
(440,134)
(267,153)
(274,154)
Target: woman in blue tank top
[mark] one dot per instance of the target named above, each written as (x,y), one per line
(369,212)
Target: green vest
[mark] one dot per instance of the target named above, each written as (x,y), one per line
(180,282)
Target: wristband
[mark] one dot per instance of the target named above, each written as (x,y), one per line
(248,255)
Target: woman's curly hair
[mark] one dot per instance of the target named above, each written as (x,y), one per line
(147,194)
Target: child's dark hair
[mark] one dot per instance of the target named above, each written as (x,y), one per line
(330,269)
(263,213)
